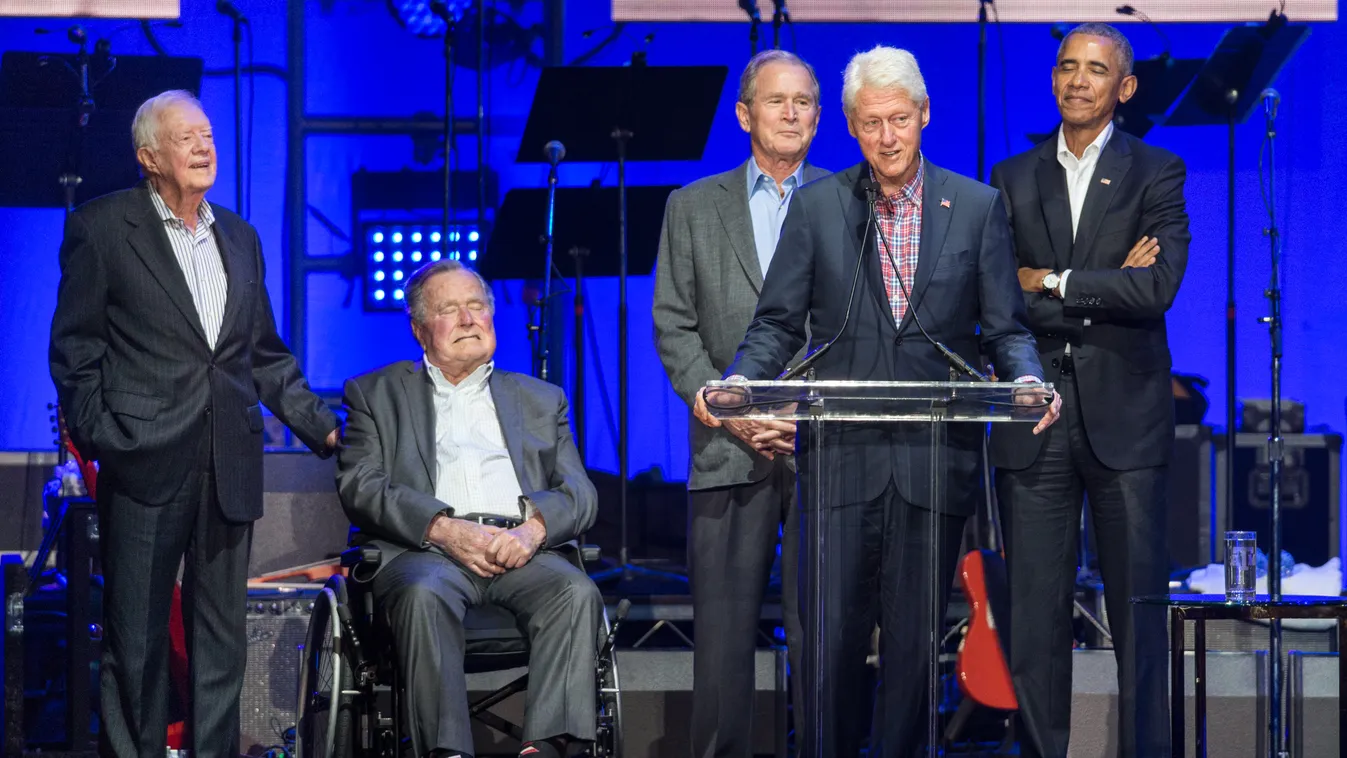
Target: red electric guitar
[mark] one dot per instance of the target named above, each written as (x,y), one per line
(983,673)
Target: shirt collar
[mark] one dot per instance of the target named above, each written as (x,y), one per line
(910,191)
(204,214)
(756,176)
(474,380)
(1097,146)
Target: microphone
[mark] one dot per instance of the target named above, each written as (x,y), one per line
(814,355)
(751,8)
(555,152)
(1271,99)
(781,11)
(76,35)
(954,358)
(229,9)
(1128,10)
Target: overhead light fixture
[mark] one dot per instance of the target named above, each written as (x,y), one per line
(393,251)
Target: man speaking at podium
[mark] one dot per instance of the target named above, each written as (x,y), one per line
(944,239)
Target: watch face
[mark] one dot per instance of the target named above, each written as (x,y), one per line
(1050,281)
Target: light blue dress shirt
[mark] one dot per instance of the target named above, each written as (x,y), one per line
(768,209)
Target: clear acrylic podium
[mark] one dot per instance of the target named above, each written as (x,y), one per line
(824,408)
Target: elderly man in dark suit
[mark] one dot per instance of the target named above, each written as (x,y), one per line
(942,239)
(468,480)
(1102,236)
(718,240)
(163,350)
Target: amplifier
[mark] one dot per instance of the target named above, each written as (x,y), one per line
(277,625)
(1310,494)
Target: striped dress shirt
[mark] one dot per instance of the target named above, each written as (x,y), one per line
(473,470)
(199,258)
(899,218)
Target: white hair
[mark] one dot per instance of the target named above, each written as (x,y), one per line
(882,68)
(145,126)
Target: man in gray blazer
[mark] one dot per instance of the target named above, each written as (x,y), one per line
(467,479)
(717,244)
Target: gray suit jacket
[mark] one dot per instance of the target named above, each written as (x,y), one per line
(386,467)
(707,282)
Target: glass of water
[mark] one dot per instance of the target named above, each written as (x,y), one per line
(1241,566)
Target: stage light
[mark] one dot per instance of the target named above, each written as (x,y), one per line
(384,267)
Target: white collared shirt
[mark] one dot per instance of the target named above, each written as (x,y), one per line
(473,471)
(1079,172)
(199,258)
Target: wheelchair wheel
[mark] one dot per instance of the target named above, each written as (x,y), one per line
(324,715)
(608,743)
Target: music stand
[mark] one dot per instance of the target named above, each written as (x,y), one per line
(1225,91)
(1160,81)
(585,234)
(40,136)
(622,113)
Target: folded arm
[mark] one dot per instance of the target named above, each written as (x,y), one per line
(1147,292)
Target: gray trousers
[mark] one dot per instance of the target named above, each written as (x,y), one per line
(731,546)
(424,596)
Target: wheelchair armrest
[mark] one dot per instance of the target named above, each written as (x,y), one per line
(361,555)
(590,554)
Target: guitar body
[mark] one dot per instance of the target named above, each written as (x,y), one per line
(984,675)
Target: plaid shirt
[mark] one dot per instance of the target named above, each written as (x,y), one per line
(899,218)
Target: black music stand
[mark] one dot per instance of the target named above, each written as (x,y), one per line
(622,113)
(585,235)
(1225,91)
(1160,81)
(41,138)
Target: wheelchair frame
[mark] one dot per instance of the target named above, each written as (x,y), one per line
(348,654)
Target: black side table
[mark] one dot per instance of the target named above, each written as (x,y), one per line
(1199,609)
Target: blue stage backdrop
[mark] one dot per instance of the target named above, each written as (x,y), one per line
(361,61)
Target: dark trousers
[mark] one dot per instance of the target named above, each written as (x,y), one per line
(143,546)
(877,558)
(732,539)
(1128,508)
(424,595)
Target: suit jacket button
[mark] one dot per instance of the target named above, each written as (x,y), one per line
(1056,363)
(208,410)
(898,341)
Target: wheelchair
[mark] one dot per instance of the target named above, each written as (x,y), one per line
(349,689)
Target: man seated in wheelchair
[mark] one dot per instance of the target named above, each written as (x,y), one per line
(467,479)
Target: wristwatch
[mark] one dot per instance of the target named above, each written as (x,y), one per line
(1051,282)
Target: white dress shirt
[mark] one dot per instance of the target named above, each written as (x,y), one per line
(1079,172)
(199,258)
(473,471)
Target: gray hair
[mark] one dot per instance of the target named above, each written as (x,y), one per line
(882,68)
(145,126)
(748,81)
(416,286)
(1108,32)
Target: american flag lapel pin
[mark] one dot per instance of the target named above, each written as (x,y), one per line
(944,203)
(1106,180)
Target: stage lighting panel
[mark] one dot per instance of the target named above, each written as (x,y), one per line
(393,251)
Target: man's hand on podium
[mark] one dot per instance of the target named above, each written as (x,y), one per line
(769,437)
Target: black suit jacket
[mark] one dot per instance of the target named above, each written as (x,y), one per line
(965,290)
(1122,361)
(386,468)
(139,384)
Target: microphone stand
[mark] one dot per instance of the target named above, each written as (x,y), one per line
(982,89)
(755,20)
(442,10)
(777,18)
(1277,736)
(541,350)
(71,179)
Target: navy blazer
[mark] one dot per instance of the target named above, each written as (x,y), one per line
(967,294)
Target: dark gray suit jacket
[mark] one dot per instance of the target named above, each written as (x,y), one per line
(135,376)
(707,282)
(386,466)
